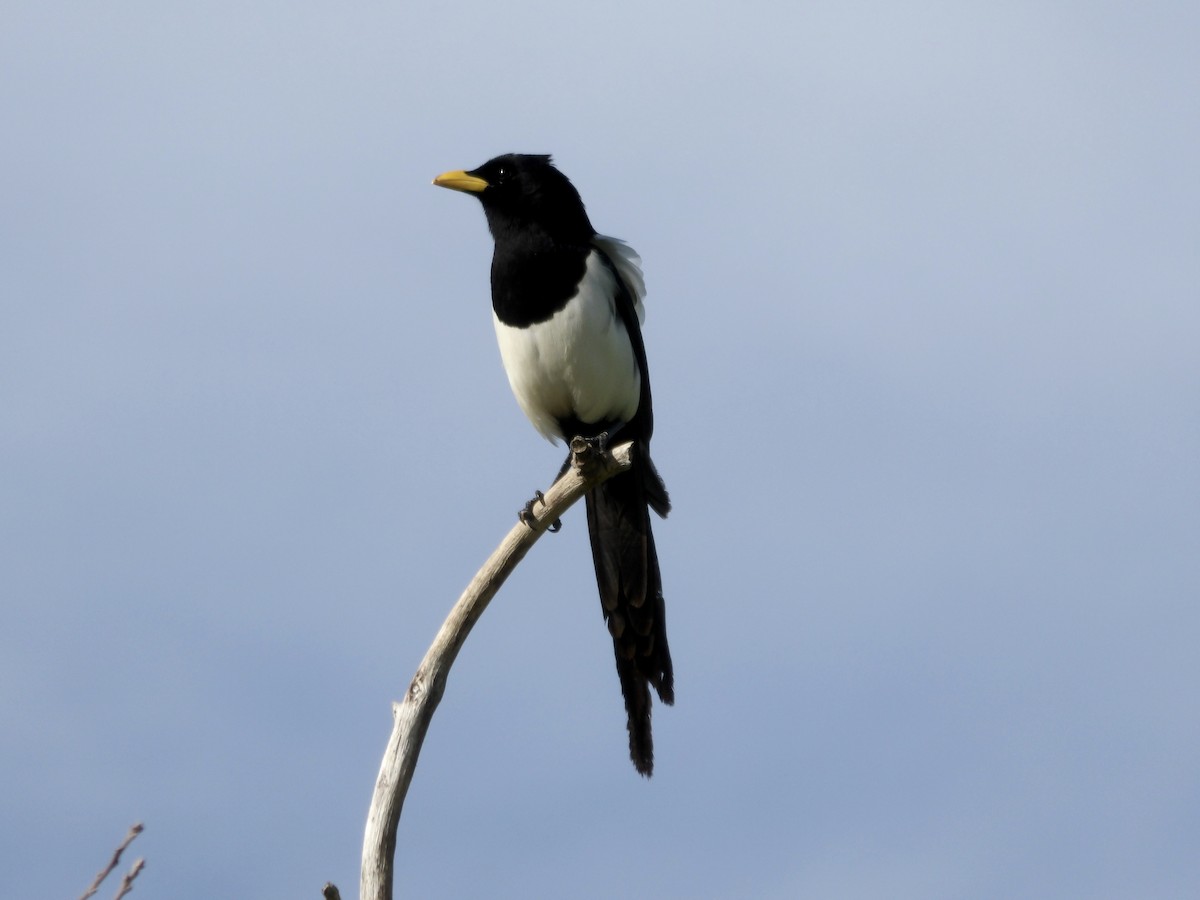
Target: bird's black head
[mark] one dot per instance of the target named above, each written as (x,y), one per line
(524,193)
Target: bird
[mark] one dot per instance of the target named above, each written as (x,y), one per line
(567,308)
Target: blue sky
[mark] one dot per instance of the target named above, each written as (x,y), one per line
(924,296)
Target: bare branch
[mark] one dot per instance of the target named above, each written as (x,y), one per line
(127,881)
(114,862)
(411,717)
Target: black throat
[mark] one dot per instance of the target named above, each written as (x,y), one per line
(533,273)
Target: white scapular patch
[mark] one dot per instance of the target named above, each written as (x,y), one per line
(579,362)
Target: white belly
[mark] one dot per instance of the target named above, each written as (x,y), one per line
(578,363)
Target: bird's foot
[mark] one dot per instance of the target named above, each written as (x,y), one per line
(587,453)
(604,439)
(527,516)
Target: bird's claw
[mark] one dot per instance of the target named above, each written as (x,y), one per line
(525,513)
(527,516)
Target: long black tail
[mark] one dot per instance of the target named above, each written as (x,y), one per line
(618,514)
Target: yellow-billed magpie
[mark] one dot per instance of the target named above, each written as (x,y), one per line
(567,306)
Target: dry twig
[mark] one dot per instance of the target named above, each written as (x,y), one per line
(114,862)
(127,881)
(411,717)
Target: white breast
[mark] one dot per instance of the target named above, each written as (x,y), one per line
(579,362)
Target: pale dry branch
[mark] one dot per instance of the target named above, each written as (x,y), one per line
(114,862)
(127,881)
(411,717)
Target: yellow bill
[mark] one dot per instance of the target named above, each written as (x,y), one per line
(461,181)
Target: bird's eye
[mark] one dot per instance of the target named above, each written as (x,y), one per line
(501,173)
